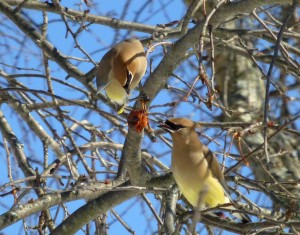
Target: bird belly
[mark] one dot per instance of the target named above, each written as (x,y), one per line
(215,193)
(116,92)
(207,191)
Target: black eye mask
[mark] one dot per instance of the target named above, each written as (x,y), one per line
(173,126)
(170,126)
(129,79)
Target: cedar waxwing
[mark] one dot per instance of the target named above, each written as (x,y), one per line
(196,169)
(121,69)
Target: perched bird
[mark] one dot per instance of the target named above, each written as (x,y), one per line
(196,169)
(121,69)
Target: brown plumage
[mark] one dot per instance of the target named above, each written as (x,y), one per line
(196,169)
(121,69)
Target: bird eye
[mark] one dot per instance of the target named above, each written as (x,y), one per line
(178,127)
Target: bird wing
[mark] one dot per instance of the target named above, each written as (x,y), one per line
(104,69)
(214,166)
(119,67)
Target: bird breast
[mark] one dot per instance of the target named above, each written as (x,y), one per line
(116,92)
(194,178)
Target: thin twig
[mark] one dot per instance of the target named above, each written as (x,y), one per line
(269,74)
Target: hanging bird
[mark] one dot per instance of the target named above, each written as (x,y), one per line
(120,70)
(196,169)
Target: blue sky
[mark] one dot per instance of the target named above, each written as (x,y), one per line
(96,40)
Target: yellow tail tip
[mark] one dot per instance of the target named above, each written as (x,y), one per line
(121,110)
